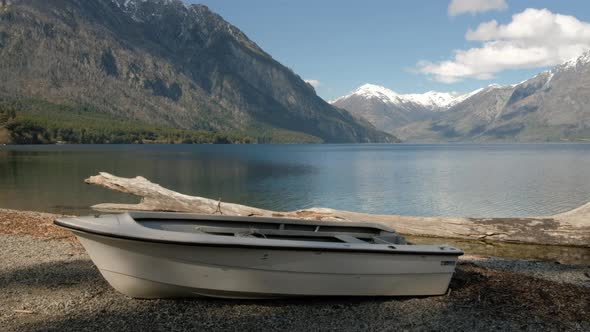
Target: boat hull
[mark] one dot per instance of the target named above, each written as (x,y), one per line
(160,270)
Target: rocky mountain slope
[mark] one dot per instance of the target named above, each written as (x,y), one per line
(462,121)
(389,110)
(161,62)
(552,106)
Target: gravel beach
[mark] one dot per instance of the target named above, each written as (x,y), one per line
(48,282)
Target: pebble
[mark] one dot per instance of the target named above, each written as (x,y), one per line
(56,281)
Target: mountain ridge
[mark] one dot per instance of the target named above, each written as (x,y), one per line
(161,62)
(389,110)
(551,106)
(431,99)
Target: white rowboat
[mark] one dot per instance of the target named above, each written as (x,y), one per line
(162,255)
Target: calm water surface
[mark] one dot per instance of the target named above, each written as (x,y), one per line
(452,180)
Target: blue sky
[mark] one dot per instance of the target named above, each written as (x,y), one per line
(402,45)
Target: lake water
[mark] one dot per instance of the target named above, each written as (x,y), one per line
(452,180)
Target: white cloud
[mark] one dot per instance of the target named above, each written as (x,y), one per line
(314,83)
(534,38)
(458,7)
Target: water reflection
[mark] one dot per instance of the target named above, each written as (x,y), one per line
(53,180)
(459,180)
(561,254)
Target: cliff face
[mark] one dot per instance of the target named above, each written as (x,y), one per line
(161,62)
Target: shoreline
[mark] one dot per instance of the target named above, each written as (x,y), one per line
(38,223)
(49,282)
(564,142)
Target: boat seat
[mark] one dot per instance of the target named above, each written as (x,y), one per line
(389,239)
(235,231)
(349,239)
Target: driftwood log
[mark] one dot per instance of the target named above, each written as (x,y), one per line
(570,228)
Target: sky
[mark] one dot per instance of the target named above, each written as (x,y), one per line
(412,46)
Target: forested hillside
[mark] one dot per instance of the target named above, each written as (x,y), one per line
(39,122)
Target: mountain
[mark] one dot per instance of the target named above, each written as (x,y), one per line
(463,120)
(162,63)
(552,106)
(388,110)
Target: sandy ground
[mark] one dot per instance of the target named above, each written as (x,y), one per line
(47,282)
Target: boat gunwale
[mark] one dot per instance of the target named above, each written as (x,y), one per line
(138,215)
(450,251)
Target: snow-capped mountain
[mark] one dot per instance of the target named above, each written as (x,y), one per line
(388,110)
(432,100)
(572,63)
(553,105)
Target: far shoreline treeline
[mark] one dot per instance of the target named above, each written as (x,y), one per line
(31,121)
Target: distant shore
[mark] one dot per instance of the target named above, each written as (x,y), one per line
(49,282)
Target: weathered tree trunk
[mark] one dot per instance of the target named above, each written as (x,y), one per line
(571,228)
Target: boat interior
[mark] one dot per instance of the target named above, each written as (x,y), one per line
(278,229)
